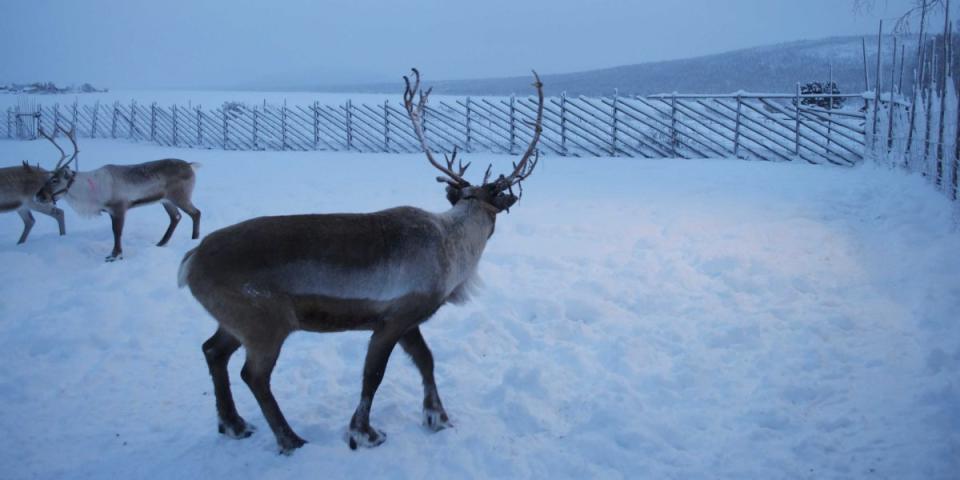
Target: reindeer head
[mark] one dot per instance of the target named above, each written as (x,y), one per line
(61,177)
(498,193)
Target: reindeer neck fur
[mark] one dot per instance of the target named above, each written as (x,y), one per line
(469,224)
(90,192)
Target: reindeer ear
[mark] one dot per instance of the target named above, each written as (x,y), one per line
(26,166)
(504,201)
(454,195)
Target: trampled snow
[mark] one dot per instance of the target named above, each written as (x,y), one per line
(640,319)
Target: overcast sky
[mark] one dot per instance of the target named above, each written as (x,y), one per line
(223,43)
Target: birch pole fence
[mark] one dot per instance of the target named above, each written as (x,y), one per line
(774,127)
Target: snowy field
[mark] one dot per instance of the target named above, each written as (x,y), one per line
(640,319)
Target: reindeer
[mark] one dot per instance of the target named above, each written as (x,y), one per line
(386,272)
(18,191)
(117,188)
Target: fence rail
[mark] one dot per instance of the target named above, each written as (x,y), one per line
(776,127)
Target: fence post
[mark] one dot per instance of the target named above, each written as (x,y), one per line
(796,130)
(349,125)
(316,125)
(18,120)
(113,121)
(956,151)
(386,126)
(199,127)
(893,84)
(133,123)
(73,119)
(174,111)
(223,112)
(613,139)
(38,121)
(283,125)
(56,119)
(153,122)
(93,127)
(563,122)
(736,131)
(876,89)
(673,125)
(256,128)
(513,121)
(469,128)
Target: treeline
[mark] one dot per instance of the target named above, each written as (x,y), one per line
(48,88)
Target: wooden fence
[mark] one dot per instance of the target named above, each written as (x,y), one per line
(775,127)
(921,137)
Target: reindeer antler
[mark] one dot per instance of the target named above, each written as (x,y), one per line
(454,179)
(523,168)
(63,155)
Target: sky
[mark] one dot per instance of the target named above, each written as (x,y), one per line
(303,43)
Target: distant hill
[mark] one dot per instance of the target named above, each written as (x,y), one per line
(773,68)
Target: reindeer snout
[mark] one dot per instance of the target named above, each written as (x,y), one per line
(44,197)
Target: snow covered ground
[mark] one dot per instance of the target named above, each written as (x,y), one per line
(641,319)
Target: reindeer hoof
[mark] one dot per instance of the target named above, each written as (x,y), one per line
(435,419)
(239,430)
(367,437)
(289,444)
(114,258)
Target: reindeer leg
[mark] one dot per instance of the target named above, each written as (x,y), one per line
(378,353)
(51,210)
(218,350)
(261,358)
(28,222)
(117,215)
(174,220)
(182,200)
(194,213)
(434,416)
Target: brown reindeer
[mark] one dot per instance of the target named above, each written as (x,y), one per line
(20,187)
(386,272)
(117,188)
(18,191)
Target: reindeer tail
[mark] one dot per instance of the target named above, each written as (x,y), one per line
(185,268)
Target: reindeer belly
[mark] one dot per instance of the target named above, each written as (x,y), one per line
(328,299)
(328,314)
(147,200)
(9,206)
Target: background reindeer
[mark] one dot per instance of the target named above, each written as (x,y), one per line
(387,271)
(117,188)
(18,190)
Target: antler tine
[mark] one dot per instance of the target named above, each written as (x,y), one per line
(72,135)
(63,154)
(416,118)
(523,168)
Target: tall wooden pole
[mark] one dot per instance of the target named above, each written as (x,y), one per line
(876,89)
(918,83)
(892,105)
(943,95)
